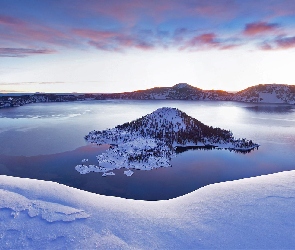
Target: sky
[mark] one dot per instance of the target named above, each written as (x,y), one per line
(123,45)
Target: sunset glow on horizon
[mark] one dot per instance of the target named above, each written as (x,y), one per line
(116,46)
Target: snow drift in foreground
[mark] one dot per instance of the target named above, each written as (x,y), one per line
(257,212)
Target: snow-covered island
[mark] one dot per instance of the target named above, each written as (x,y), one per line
(151,141)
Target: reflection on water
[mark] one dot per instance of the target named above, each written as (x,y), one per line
(50,145)
(180,149)
(190,170)
(271,108)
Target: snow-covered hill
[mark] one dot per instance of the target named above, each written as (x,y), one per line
(151,141)
(181,91)
(254,213)
(267,93)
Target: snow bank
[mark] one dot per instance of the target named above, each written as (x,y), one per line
(48,211)
(250,213)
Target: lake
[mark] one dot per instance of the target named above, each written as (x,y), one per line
(46,141)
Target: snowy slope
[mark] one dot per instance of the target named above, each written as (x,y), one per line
(250,213)
(267,93)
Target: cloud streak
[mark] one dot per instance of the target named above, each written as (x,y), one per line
(207,41)
(17,31)
(23,52)
(115,41)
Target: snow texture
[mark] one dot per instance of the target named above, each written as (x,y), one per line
(151,141)
(48,211)
(251,213)
(128,172)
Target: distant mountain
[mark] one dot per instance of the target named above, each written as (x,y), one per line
(12,100)
(151,141)
(181,91)
(267,93)
(264,93)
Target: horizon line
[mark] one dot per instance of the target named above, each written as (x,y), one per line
(76,92)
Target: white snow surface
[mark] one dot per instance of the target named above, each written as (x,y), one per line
(128,172)
(257,212)
(108,173)
(269,98)
(84,169)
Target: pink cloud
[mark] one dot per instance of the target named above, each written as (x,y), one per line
(212,9)
(207,38)
(208,41)
(22,32)
(279,43)
(94,34)
(103,40)
(286,42)
(258,28)
(117,25)
(111,40)
(7,20)
(127,12)
(161,10)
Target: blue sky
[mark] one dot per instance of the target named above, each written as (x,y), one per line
(115,45)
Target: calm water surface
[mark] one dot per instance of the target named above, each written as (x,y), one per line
(45,141)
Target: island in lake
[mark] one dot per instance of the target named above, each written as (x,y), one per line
(151,142)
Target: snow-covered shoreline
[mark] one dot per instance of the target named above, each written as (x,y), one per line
(255,212)
(151,141)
